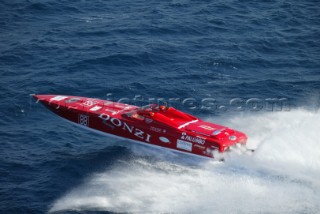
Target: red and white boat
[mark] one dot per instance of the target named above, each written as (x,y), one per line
(155,125)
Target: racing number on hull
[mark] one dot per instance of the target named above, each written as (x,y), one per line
(83,119)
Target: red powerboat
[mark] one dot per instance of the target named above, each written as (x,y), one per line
(155,125)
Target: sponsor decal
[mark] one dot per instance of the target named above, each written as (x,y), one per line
(199,146)
(58,98)
(89,103)
(115,122)
(164,140)
(155,129)
(95,108)
(72,107)
(232,137)
(216,132)
(181,144)
(206,127)
(197,139)
(83,119)
(148,120)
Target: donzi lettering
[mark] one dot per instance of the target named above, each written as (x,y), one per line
(115,122)
(197,139)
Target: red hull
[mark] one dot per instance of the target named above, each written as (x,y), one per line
(152,125)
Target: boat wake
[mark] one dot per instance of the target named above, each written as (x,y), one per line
(282,176)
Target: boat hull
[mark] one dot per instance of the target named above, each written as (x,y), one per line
(115,119)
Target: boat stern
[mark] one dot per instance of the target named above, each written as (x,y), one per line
(234,140)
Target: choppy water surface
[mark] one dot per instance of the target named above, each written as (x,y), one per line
(220,50)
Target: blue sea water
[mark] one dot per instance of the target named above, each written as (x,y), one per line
(220,50)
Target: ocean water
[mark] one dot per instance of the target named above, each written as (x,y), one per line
(257,63)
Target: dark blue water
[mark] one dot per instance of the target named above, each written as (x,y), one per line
(155,49)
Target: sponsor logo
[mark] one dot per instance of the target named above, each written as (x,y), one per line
(184,145)
(232,137)
(89,103)
(155,129)
(83,119)
(196,139)
(164,139)
(206,127)
(216,132)
(115,122)
(199,146)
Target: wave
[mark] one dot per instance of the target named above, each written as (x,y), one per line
(282,176)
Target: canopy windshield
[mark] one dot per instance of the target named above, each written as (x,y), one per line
(146,110)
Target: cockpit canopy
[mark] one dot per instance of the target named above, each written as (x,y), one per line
(160,113)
